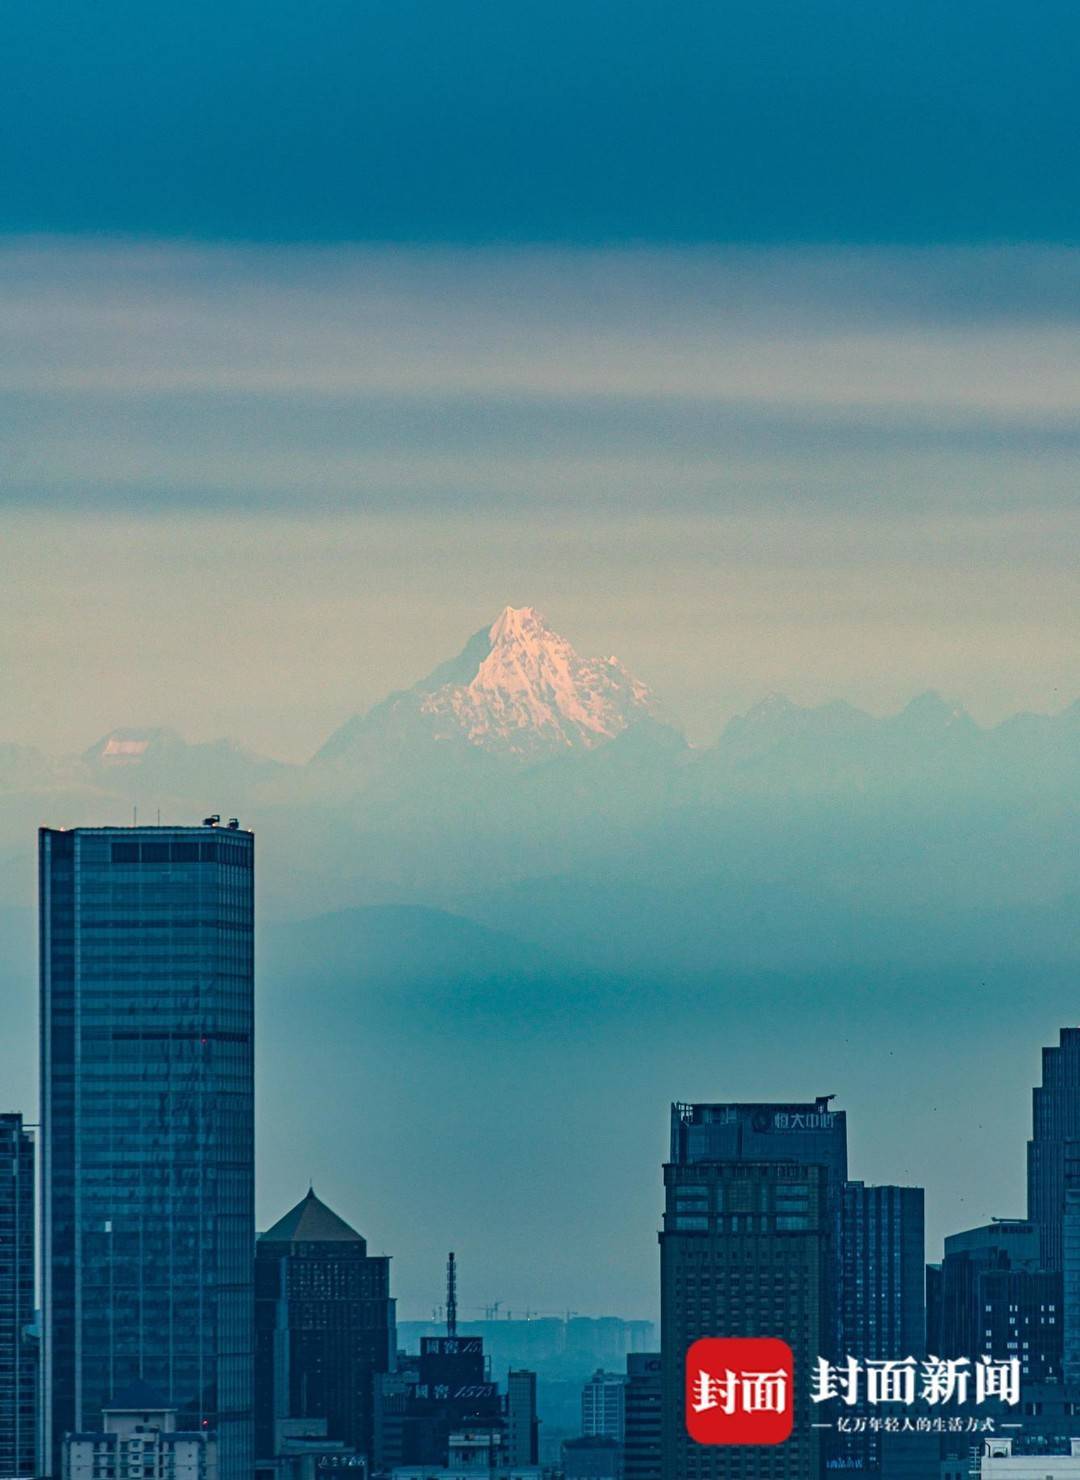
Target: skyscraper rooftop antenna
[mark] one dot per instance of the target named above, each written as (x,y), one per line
(451,1296)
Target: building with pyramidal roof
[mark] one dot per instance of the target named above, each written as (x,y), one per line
(324,1327)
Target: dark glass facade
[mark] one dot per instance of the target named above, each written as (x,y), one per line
(750,1247)
(522,1426)
(147,1125)
(324,1324)
(811,1134)
(883,1249)
(18,1348)
(1054,1181)
(884,1255)
(992,1297)
(1055,1123)
(1070,1265)
(641,1451)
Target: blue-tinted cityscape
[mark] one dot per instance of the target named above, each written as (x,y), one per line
(173,1339)
(539,740)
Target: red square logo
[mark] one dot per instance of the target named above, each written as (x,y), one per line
(739,1390)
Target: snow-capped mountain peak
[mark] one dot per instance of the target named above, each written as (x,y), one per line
(533,692)
(518,688)
(518,623)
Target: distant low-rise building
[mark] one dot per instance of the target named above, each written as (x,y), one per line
(304,1451)
(644,1393)
(1000,1461)
(522,1428)
(474,1454)
(592,1458)
(558,1348)
(603,1406)
(139,1440)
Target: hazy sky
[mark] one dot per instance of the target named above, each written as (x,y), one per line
(249,490)
(741,339)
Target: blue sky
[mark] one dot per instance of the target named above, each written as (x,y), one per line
(568,121)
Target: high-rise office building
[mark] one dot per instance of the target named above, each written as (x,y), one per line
(812,1134)
(324,1327)
(641,1447)
(991,1297)
(147,1128)
(18,1349)
(1055,1122)
(883,1251)
(750,1247)
(883,1247)
(603,1406)
(522,1427)
(1070,1266)
(1054,1180)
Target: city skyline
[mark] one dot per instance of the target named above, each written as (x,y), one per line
(1051,1054)
(539,718)
(421,1286)
(749,1186)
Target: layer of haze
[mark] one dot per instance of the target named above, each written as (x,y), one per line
(249,491)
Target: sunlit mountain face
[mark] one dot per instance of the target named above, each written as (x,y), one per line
(542,793)
(517,689)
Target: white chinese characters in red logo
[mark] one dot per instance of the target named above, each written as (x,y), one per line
(739,1390)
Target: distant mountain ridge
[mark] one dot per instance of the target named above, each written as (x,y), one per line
(541,793)
(164,751)
(519,692)
(778,744)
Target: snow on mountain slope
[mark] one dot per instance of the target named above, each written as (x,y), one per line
(533,691)
(518,689)
(155,761)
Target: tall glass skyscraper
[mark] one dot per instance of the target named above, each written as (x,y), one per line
(1054,1180)
(883,1302)
(750,1247)
(18,1348)
(1055,1123)
(147,1128)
